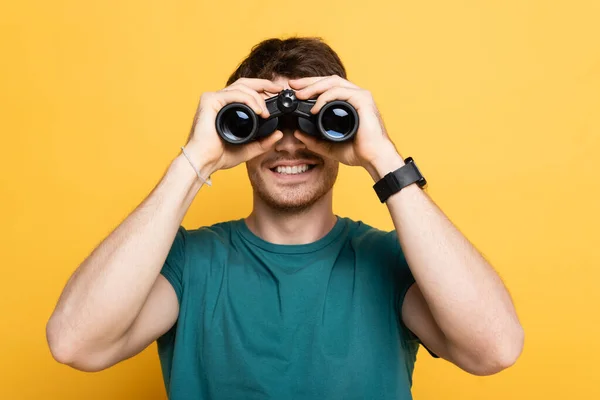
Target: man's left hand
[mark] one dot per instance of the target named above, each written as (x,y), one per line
(371,142)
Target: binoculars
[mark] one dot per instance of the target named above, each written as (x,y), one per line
(337,121)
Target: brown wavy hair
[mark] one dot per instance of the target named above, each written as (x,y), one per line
(294,57)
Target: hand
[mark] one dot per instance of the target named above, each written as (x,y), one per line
(204,143)
(371,143)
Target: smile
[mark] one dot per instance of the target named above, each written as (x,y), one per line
(295,170)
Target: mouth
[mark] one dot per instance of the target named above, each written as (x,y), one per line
(293,170)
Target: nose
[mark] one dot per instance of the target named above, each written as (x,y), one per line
(289,142)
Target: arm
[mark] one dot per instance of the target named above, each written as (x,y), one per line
(459,307)
(116,303)
(95,323)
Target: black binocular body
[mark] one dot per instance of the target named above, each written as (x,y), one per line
(337,121)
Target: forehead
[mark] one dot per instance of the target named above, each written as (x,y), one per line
(282,81)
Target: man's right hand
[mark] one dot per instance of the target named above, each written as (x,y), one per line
(204,144)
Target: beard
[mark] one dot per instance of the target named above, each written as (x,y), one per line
(293,198)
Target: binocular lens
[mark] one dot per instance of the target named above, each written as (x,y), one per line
(338,121)
(237,124)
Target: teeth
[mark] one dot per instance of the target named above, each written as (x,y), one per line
(297,169)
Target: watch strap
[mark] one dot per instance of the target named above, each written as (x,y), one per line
(396,180)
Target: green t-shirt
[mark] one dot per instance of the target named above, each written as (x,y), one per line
(259,320)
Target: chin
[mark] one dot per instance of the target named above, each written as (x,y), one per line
(290,201)
(292,191)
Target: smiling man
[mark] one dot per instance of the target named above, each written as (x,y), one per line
(293,301)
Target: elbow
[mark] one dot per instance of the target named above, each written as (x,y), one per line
(60,348)
(502,354)
(65,350)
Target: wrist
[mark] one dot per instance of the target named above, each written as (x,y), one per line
(185,169)
(199,159)
(387,162)
(181,170)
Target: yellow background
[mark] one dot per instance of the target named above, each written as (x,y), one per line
(499,103)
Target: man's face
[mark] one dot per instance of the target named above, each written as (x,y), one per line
(289,177)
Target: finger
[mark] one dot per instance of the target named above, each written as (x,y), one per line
(322,86)
(301,83)
(237,96)
(321,147)
(254,94)
(259,85)
(337,93)
(256,148)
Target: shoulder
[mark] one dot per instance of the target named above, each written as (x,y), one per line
(364,234)
(378,242)
(219,232)
(205,247)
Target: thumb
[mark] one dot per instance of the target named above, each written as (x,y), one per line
(263,145)
(321,147)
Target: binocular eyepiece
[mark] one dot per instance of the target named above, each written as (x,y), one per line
(337,121)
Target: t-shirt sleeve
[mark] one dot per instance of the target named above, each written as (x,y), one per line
(404,280)
(174,264)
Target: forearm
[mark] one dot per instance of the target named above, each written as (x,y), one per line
(105,294)
(466,297)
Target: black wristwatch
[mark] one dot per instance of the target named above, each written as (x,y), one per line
(395,181)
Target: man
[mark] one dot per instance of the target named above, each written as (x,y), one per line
(292,302)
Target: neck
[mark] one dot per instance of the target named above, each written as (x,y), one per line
(303,227)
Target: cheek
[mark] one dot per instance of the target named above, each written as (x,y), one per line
(250,166)
(252,169)
(331,165)
(254,164)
